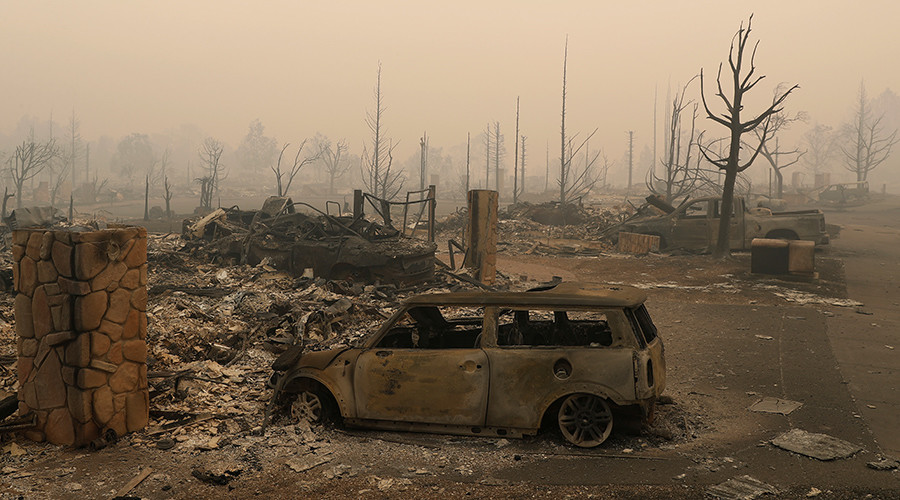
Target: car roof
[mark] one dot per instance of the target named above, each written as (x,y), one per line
(563,294)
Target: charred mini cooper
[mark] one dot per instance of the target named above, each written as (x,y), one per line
(491,363)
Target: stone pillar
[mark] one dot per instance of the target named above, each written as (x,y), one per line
(81,323)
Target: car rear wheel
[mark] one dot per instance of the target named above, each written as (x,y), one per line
(585,420)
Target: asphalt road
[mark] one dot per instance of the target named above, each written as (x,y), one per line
(866,343)
(718,367)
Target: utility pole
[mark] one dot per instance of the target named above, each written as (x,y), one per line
(487,156)
(630,157)
(516,158)
(653,160)
(497,158)
(547,173)
(523,164)
(468,151)
(424,157)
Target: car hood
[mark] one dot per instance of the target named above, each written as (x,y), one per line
(320,359)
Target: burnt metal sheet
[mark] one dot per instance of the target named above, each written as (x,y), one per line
(741,488)
(775,405)
(818,446)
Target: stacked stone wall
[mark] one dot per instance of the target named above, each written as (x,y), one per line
(82,325)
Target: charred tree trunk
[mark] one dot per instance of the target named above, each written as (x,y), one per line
(147,198)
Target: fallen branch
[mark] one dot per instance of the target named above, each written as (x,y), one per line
(136,480)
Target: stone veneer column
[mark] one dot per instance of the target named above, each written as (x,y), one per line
(82,325)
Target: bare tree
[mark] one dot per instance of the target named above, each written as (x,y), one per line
(778,158)
(59,172)
(147,197)
(869,143)
(134,156)
(284,179)
(820,142)
(678,177)
(74,148)
(256,150)
(6,196)
(498,154)
(211,158)
(731,119)
(603,166)
(572,184)
(333,158)
(29,159)
(168,197)
(376,162)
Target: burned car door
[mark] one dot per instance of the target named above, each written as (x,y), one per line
(540,355)
(424,369)
(692,226)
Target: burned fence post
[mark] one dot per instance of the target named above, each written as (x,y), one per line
(432,204)
(358,200)
(386,213)
(481,253)
(81,323)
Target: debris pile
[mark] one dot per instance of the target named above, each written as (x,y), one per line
(214,331)
(526,228)
(329,246)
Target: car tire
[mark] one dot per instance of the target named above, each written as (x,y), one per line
(311,405)
(585,420)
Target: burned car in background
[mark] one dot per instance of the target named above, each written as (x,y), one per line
(694,224)
(332,246)
(491,364)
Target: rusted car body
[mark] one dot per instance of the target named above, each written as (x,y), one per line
(493,363)
(694,225)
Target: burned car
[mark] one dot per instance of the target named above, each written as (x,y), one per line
(694,224)
(332,246)
(490,363)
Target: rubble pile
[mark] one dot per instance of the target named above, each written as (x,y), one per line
(231,322)
(334,247)
(526,228)
(213,332)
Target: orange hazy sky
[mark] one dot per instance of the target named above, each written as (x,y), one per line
(303,67)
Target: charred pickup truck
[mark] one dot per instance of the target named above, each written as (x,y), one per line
(490,364)
(333,246)
(694,224)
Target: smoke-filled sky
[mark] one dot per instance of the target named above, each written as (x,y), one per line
(303,67)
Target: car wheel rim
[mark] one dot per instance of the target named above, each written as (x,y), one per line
(307,407)
(585,420)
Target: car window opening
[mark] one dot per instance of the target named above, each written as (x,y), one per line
(643,326)
(556,328)
(426,327)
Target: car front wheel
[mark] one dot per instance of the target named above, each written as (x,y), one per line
(585,420)
(308,406)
